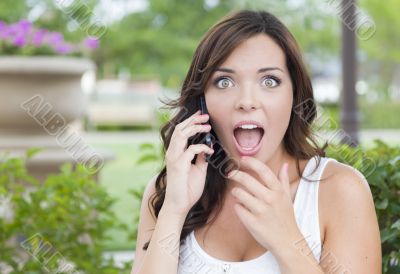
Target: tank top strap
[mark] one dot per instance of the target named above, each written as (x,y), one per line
(306,203)
(313,173)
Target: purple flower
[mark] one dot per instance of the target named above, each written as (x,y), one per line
(55,38)
(12,30)
(24,26)
(91,43)
(4,33)
(19,41)
(39,37)
(64,48)
(23,33)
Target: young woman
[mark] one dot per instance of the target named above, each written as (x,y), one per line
(285,208)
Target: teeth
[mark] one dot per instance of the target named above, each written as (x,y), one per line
(248,126)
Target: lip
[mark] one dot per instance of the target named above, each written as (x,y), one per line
(253,151)
(246,122)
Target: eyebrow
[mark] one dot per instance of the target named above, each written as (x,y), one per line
(261,70)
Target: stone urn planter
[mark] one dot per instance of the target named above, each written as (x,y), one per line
(41,97)
(56,79)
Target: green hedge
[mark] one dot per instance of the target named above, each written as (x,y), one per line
(59,223)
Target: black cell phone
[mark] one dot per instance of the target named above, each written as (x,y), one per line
(203,108)
(208,136)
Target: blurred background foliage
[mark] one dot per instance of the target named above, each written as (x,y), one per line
(157,39)
(160,37)
(57,225)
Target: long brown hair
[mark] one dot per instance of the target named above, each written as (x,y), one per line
(215,46)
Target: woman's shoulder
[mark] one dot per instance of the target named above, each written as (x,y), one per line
(339,175)
(343,188)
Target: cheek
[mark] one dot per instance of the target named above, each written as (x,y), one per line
(217,112)
(279,111)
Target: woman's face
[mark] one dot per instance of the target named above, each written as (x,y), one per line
(252,84)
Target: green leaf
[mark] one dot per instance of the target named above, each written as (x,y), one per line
(146,146)
(33,151)
(396,225)
(147,158)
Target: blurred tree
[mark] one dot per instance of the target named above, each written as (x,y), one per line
(160,40)
(382,49)
(19,9)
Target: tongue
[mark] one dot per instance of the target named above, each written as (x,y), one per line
(248,137)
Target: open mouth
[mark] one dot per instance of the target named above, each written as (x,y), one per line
(248,138)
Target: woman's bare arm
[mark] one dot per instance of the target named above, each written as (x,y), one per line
(352,241)
(162,253)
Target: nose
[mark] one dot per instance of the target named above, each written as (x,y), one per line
(247,100)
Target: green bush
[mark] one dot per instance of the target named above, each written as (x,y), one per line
(381,167)
(60,223)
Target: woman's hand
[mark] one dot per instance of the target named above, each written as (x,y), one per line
(264,205)
(185,181)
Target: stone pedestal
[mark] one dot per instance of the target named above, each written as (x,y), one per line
(41,100)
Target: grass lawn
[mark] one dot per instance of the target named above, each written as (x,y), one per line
(119,176)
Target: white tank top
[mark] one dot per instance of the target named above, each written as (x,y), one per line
(193,259)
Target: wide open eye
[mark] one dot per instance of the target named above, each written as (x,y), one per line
(271,81)
(222,82)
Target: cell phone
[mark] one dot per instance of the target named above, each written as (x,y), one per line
(208,136)
(203,108)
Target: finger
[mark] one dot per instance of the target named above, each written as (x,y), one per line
(244,215)
(188,120)
(201,161)
(178,137)
(265,174)
(284,178)
(255,187)
(196,118)
(190,131)
(192,150)
(249,201)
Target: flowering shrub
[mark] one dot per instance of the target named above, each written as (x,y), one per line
(23,38)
